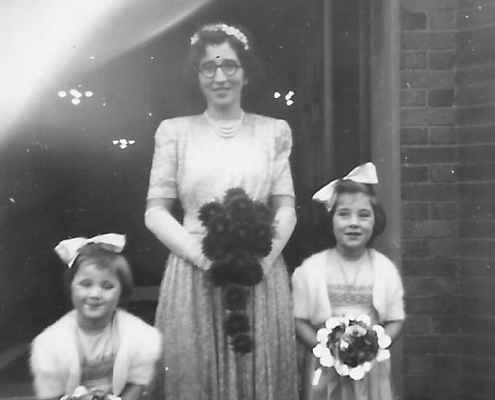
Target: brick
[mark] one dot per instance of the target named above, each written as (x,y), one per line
(422,5)
(414,136)
(476,192)
(411,21)
(477,267)
(429,192)
(418,155)
(477,172)
(445,173)
(476,135)
(478,284)
(430,305)
(479,248)
(477,229)
(414,210)
(480,305)
(430,286)
(410,174)
(420,40)
(478,325)
(443,136)
(427,116)
(475,154)
(442,20)
(443,247)
(475,75)
(417,79)
(448,344)
(414,248)
(413,60)
(473,17)
(439,60)
(429,229)
(429,266)
(441,97)
(418,324)
(444,210)
(445,324)
(480,209)
(480,115)
(411,98)
(483,93)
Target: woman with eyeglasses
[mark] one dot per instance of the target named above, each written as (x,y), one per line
(197,159)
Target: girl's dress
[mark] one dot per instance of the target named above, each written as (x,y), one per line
(194,163)
(369,286)
(63,357)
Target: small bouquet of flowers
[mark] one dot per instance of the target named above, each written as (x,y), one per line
(81,393)
(351,345)
(239,232)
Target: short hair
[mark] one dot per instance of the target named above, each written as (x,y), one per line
(349,186)
(103,256)
(205,36)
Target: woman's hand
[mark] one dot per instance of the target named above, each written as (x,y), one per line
(306,333)
(393,329)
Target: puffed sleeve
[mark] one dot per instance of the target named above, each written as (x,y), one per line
(163,175)
(300,295)
(49,380)
(145,357)
(282,179)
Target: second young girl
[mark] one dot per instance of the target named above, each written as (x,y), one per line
(96,345)
(350,278)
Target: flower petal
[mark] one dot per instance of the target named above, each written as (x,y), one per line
(357,373)
(384,341)
(382,355)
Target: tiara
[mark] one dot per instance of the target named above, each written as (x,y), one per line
(228,30)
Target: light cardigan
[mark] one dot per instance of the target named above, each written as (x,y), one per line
(311,301)
(56,365)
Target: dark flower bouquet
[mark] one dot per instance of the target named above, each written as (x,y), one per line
(81,393)
(351,345)
(239,232)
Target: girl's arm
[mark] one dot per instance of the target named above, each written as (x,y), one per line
(306,333)
(393,329)
(132,392)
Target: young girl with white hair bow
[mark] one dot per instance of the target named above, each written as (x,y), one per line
(97,349)
(349,278)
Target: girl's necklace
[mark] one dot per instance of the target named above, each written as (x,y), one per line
(356,264)
(225,128)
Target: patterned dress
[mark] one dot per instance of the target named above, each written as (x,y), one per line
(194,164)
(350,290)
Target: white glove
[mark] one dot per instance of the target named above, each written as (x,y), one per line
(175,237)
(285,222)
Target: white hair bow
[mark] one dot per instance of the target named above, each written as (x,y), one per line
(365,173)
(68,249)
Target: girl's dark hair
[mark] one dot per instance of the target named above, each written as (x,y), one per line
(348,186)
(247,57)
(103,256)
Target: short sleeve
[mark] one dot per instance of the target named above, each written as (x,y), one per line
(282,179)
(145,357)
(300,295)
(163,175)
(49,380)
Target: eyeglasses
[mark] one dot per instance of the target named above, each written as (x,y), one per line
(229,68)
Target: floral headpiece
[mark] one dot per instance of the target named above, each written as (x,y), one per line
(365,173)
(69,249)
(227,29)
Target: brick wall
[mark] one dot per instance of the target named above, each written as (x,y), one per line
(475,117)
(430,193)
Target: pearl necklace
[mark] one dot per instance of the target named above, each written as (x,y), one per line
(225,128)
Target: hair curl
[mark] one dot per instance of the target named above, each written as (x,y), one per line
(104,258)
(247,57)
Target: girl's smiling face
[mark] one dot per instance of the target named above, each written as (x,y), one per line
(95,295)
(353,223)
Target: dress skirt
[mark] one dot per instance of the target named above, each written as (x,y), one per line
(198,362)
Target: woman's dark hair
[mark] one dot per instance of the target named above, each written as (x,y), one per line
(218,33)
(103,256)
(348,186)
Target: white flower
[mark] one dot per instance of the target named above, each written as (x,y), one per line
(364,318)
(382,355)
(342,369)
(357,373)
(332,323)
(322,335)
(384,341)
(367,366)
(379,330)
(327,361)
(355,330)
(321,350)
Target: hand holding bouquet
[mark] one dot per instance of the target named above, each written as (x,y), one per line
(351,345)
(239,233)
(81,393)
